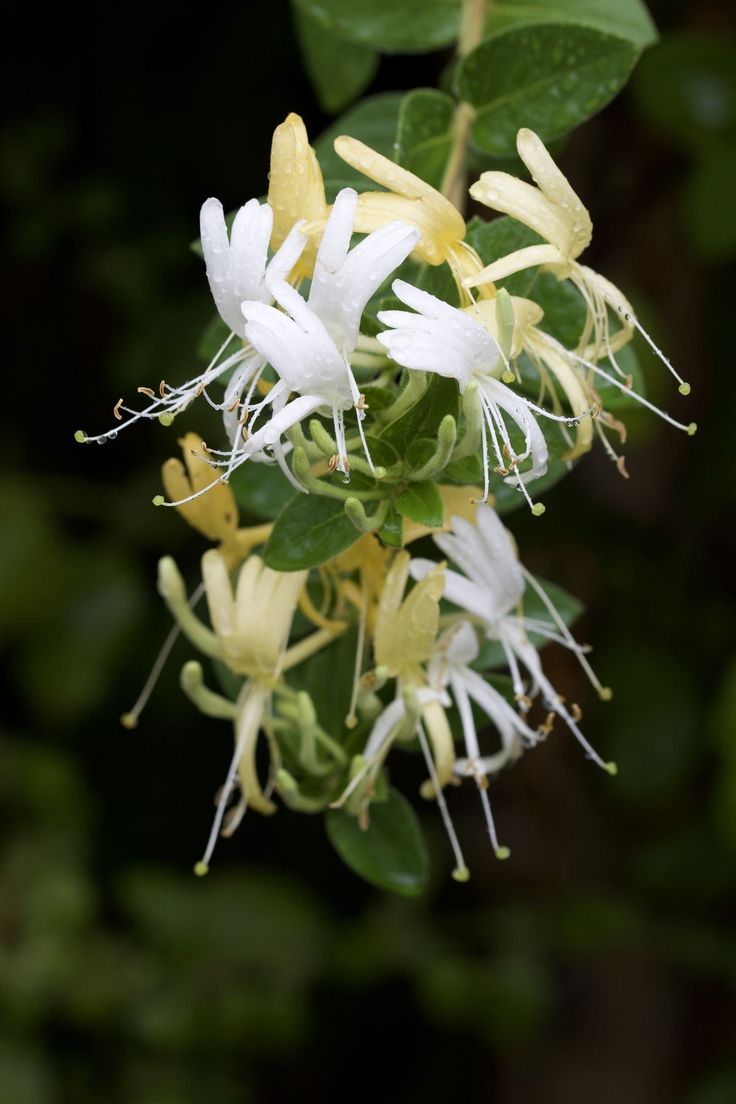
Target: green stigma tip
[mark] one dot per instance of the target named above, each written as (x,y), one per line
(165,419)
(538,509)
(692,429)
(684,388)
(612,769)
(503,853)
(158,500)
(129,720)
(605,693)
(508,376)
(80,436)
(461,874)
(201,868)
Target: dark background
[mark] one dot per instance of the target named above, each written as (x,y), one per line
(600,962)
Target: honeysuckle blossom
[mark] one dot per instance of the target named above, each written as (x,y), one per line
(296,190)
(440,338)
(308,343)
(490,589)
(238,268)
(412,200)
(554,211)
(450,669)
(249,633)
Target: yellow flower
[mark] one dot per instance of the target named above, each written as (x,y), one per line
(411,199)
(215,514)
(296,189)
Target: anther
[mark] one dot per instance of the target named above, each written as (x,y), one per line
(621,466)
(147,391)
(577,713)
(162,389)
(116,410)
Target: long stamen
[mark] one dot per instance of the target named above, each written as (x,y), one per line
(171,399)
(604,692)
(202,867)
(471,743)
(461,872)
(690,428)
(351,720)
(131,718)
(684,388)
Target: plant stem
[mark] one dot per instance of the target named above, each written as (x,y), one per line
(471,33)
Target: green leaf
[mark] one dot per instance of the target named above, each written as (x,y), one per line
(392,530)
(549,77)
(424,417)
(563,306)
(262,490)
(624,18)
(391,26)
(424,133)
(339,70)
(309,531)
(491,653)
(422,502)
(372,121)
(391,853)
(687,89)
(328,679)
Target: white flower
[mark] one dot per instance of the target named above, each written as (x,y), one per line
(308,343)
(237,268)
(450,342)
(450,667)
(490,590)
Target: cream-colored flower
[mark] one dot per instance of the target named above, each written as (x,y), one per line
(411,199)
(553,209)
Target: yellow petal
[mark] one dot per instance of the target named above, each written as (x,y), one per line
(517,261)
(502,192)
(214,514)
(555,186)
(295,186)
(408,198)
(406,631)
(443,746)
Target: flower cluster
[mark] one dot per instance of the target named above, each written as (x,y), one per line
(370,350)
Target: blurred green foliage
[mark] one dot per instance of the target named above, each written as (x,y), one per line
(600,963)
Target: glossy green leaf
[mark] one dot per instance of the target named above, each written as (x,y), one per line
(309,531)
(390,853)
(422,502)
(424,133)
(392,26)
(423,419)
(624,18)
(338,69)
(262,490)
(548,77)
(372,121)
(392,530)
(687,88)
